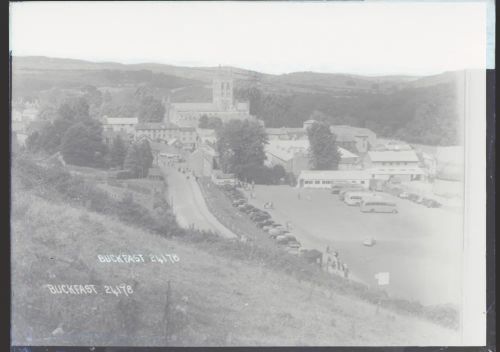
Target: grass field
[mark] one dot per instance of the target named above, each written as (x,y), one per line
(214,300)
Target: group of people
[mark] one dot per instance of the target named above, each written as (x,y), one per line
(333,264)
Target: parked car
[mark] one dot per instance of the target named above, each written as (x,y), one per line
(413,197)
(265,222)
(419,200)
(244,207)
(238,202)
(285,239)
(403,195)
(276,232)
(259,216)
(431,203)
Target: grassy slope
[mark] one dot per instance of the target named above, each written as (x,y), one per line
(229,302)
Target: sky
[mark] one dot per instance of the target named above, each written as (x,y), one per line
(371,38)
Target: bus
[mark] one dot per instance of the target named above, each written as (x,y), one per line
(355,198)
(374,205)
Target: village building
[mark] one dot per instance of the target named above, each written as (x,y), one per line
(120,124)
(293,155)
(159,131)
(327,178)
(386,165)
(285,133)
(223,106)
(387,144)
(355,139)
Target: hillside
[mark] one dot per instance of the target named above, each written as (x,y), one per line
(415,109)
(213,299)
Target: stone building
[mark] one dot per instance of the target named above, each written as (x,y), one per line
(223,106)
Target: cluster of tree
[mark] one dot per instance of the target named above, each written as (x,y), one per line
(324,154)
(138,160)
(210,122)
(79,139)
(240,145)
(72,132)
(425,115)
(143,102)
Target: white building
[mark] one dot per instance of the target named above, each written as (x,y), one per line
(327,178)
(120,124)
(388,164)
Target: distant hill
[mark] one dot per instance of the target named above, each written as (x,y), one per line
(415,109)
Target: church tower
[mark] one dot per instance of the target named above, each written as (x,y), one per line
(222,92)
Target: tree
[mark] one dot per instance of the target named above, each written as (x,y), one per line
(323,149)
(146,157)
(132,160)
(210,122)
(82,144)
(241,147)
(203,121)
(151,110)
(118,152)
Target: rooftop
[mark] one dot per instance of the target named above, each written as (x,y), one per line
(334,174)
(162,126)
(286,149)
(121,120)
(391,155)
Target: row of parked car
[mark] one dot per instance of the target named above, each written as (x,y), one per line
(263,220)
(428,202)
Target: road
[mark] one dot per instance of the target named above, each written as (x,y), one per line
(420,247)
(189,205)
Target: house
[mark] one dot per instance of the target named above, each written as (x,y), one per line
(120,124)
(109,136)
(293,155)
(355,139)
(286,133)
(159,131)
(384,144)
(327,178)
(388,164)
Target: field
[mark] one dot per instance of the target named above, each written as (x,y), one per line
(420,247)
(213,300)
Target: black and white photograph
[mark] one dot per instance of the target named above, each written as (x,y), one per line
(249,173)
